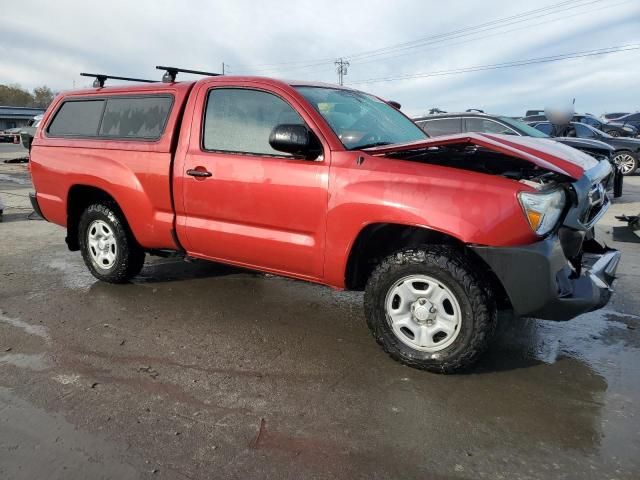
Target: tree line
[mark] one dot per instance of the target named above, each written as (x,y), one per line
(16,96)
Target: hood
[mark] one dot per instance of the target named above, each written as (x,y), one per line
(619,124)
(542,152)
(589,143)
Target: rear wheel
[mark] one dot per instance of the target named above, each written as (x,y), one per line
(627,162)
(429,310)
(108,247)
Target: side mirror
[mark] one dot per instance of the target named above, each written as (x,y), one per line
(394,104)
(26,139)
(295,139)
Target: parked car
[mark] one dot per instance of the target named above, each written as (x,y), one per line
(632,119)
(334,186)
(627,150)
(10,135)
(30,128)
(607,117)
(613,128)
(435,125)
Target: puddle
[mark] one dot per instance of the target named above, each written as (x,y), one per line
(586,337)
(74,275)
(39,444)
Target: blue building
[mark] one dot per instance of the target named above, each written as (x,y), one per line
(12,117)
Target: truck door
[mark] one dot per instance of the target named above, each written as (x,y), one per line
(243,202)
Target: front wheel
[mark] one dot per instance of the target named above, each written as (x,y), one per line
(627,162)
(429,310)
(108,247)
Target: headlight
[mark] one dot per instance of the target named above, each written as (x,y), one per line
(543,209)
(627,128)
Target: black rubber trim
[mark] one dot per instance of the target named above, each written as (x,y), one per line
(539,281)
(34,203)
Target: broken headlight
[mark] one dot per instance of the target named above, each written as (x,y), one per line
(542,209)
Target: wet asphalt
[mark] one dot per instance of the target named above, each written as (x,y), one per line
(200,371)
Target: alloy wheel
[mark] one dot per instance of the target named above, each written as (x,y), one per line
(626,163)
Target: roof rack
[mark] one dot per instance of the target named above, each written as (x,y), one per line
(100,79)
(171,73)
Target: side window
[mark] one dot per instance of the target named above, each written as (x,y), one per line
(442,126)
(583,132)
(485,125)
(118,117)
(77,118)
(135,117)
(544,128)
(241,120)
(590,121)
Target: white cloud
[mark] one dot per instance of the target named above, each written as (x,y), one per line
(51,42)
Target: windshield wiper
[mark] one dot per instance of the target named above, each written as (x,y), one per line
(370,145)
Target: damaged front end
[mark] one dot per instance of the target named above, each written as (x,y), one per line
(567,272)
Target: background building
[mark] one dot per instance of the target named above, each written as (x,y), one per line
(12,117)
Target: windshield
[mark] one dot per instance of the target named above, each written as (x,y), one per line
(360,120)
(523,128)
(599,133)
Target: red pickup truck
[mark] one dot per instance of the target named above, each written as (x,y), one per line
(330,185)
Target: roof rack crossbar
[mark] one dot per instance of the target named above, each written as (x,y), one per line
(101,78)
(171,73)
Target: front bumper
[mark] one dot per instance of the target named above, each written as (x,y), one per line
(540,282)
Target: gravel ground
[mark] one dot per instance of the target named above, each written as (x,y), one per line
(199,371)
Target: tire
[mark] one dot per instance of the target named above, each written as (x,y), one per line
(627,162)
(108,247)
(614,133)
(442,269)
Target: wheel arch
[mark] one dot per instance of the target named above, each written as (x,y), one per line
(79,198)
(379,240)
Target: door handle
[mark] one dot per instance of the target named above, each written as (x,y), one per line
(198,173)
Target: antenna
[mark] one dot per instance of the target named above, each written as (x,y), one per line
(171,73)
(100,78)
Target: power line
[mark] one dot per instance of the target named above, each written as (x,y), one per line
(514,63)
(486,26)
(466,32)
(516,29)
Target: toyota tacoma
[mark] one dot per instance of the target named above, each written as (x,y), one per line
(334,186)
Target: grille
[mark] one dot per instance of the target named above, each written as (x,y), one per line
(598,202)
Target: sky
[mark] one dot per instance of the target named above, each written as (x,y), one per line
(51,42)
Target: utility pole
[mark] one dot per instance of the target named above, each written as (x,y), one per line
(341,68)
(223,67)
